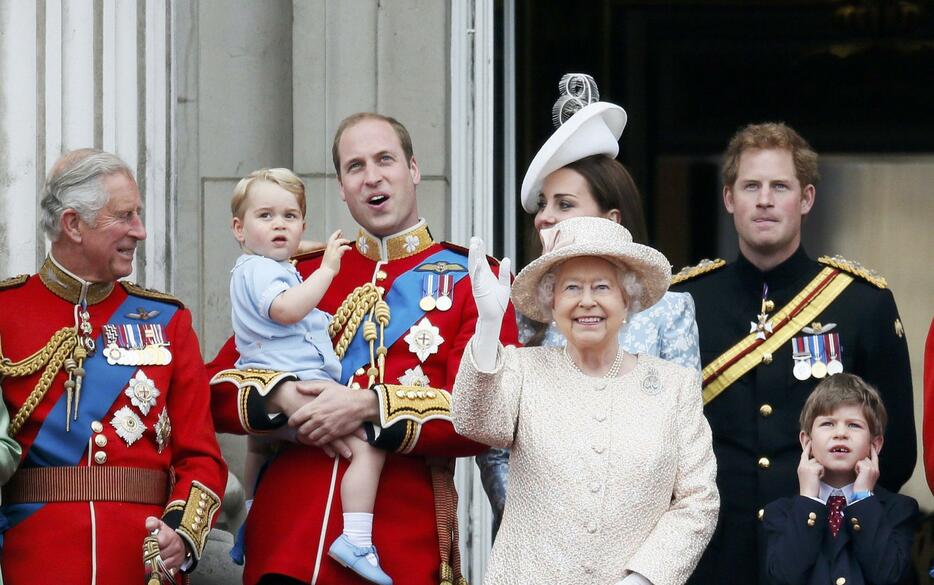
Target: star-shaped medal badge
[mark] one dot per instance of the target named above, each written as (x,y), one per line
(128,425)
(424,339)
(163,430)
(414,377)
(142,392)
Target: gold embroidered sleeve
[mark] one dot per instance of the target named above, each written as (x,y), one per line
(417,404)
(262,381)
(197,517)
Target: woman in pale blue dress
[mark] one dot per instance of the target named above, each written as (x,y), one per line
(576,174)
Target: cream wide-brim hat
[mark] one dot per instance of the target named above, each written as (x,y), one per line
(594,129)
(591,236)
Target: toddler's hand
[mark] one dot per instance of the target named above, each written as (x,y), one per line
(335,251)
(809,472)
(867,471)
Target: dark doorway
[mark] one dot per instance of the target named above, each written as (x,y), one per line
(852,76)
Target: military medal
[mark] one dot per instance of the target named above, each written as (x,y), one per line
(131,344)
(802,357)
(427,303)
(414,377)
(445,292)
(424,339)
(128,424)
(762,326)
(163,430)
(818,367)
(835,365)
(142,392)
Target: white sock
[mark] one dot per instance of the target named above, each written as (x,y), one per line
(358,528)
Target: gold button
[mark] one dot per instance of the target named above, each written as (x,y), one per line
(765,410)
(811,522)
(400,393)
(760,514)
(857,528)
(100,457)
(840,581)
(96,426)
(854,520)
(764,462)
(381,290)
(381,275)
(766,358)
(430,394)
(812,516)
(769,306)
(411,395)
(100,440)
(359,372)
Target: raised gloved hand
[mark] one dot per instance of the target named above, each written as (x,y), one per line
(489,292)
(491,295)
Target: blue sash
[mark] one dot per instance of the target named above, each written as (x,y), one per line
(103,384)
(403,298)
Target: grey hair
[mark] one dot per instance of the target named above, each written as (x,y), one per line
(627,279)
(75,182)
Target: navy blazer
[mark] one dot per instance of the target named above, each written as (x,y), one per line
(873,546)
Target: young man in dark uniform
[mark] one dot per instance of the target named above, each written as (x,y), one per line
(772,325)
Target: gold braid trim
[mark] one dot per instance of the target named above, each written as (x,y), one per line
(55,352)
(350,314)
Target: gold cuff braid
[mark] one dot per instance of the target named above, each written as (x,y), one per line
(415,403)
(263,381)
(198,516)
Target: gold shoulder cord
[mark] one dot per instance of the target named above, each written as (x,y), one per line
(365,300)
(52,356)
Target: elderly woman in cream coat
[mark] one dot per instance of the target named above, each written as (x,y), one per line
(613,473)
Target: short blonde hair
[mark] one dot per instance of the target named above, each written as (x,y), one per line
(771,136)
(844,389)
(283,177)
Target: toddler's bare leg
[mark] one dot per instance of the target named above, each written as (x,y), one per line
(361,480)
(258,451)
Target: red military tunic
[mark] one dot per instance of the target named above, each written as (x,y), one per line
(284,530)
(101,541)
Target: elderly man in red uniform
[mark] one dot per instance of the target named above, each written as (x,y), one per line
(403,313)
(109,399)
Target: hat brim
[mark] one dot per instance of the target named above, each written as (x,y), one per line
(577,138)
(650,266)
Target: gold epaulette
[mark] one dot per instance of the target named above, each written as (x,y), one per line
(13,281)
(134,289)
(854,268)
(688,272)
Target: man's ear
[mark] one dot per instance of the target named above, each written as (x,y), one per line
(70,224)
(807,199)
(413,170)
(728,199)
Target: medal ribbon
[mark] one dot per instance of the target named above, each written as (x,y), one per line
(55,447)
(403,298)
(747,354)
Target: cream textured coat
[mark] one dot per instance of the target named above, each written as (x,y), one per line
(606,476)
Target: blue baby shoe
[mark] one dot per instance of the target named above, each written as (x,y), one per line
(354,558)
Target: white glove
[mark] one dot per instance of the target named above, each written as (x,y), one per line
(491,295)
(634,579)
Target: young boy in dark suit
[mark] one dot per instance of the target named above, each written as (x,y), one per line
(841,528)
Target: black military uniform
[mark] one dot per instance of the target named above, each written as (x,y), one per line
(754,417)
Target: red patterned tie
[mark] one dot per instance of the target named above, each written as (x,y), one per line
(835,505)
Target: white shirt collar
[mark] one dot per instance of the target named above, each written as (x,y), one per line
(826,491)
